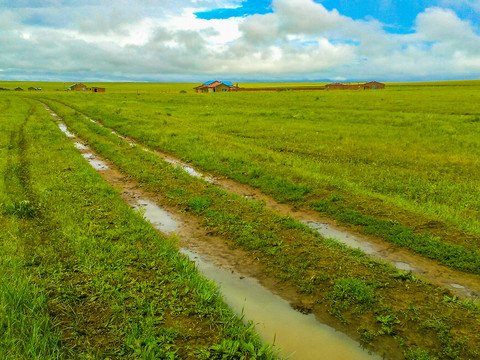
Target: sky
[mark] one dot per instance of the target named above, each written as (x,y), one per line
(239,40)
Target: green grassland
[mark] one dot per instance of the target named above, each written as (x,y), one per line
(408,154)
(82,276)
(401,164)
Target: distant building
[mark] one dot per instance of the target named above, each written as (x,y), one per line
(215,86)
(83,87)
(77,87)
(96,89)
(18,89)
(372,85)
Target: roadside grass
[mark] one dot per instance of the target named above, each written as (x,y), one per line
(84,276)
(293,253)
(407,154)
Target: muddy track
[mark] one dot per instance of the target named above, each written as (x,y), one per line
(194,238)
(191,235)
(460,283)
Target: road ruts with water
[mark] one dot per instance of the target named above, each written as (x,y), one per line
(461,284)
(304,338)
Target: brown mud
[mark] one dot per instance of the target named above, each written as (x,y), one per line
(459,283)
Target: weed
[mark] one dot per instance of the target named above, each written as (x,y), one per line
(199,204)
(347,292)
(418,354)
(22,209)
(404,276)
(388,322)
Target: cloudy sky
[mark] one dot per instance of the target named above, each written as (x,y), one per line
(239,40)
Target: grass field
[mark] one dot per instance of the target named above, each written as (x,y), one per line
(408,154)
(401,164)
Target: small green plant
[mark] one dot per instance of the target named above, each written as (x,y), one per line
(418,354)
(355,291)
(199,204)
(347,292)
(388,322)
(22,209)
(404,276)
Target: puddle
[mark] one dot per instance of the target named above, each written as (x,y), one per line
(210,179)
(96,164)
(463,289)
(188,169)
(405,266)
(80,146)
(64,129)
(159,218)
(351,241)
(294,333)
(191,171)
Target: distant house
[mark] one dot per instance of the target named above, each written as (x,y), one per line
(77,87)
(373,85)
(18,89)
(96,89)
(215,86)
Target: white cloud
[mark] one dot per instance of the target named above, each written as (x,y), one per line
(437,24)
(462,4)
(299,39)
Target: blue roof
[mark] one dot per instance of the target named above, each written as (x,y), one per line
(228,83)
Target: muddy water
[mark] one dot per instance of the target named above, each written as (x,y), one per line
(304,337)
(80,146)
(295,334)
(159,218)
(96,163)
(329,233)
(187,168)
(64,129)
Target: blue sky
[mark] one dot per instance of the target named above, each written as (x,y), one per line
(398,16)
(262,40)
